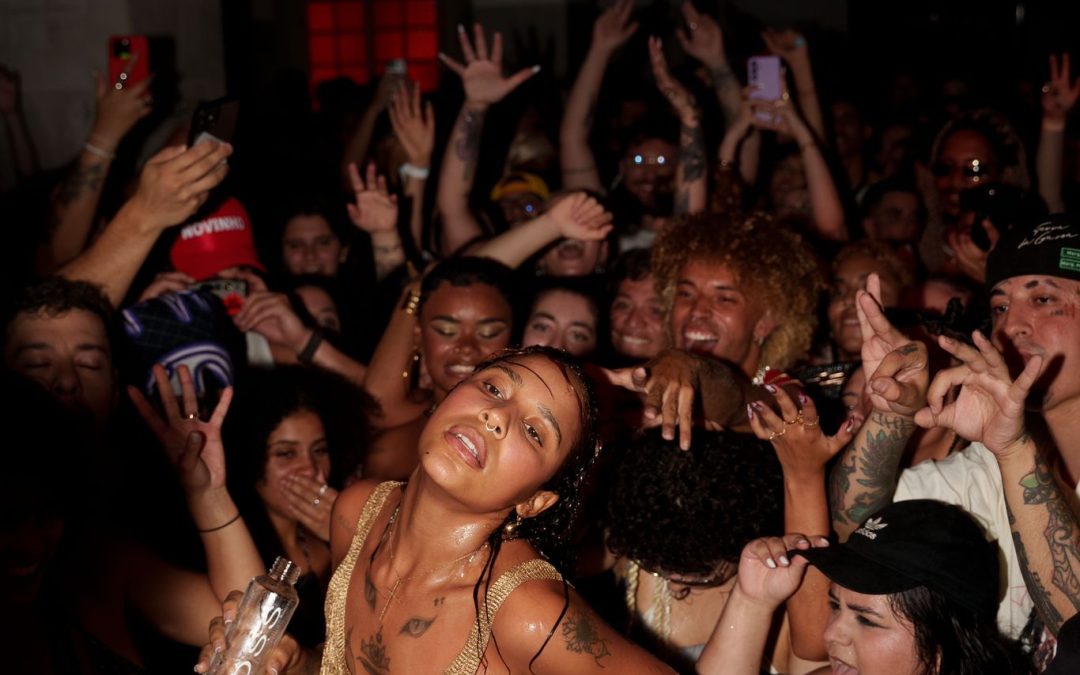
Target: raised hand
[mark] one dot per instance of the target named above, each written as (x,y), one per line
(166,282)
(789,45)
(414,124)
(481,74)
(193,446)
(271,315)
(579,216)
(375,210)
(705,40)
(1059,94)
(118,110)
(801,446)
(176,182)
(878,335)
(990,406)
(679,96)
(311,501)
(766,575)
(613,27)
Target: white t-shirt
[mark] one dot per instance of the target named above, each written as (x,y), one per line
(971,480)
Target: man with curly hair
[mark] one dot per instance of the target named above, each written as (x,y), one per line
(742,291)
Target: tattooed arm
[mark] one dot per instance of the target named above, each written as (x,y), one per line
(690,174)
(705,42)
(75,203)
(481,76)
(580,641)
(990,409)
(864,478)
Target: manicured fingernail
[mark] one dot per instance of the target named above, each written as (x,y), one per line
(770,564)
(771,389)
(947,340)
(784,561)
(758,405)
(749,411)
(803,398)
(823,541)
(850,424)
(219,646)
(460,28)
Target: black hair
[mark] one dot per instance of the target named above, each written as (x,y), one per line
(466,271)
(954,640)
(687,512)
(876,192)
(265,398)
(56,295)
(589,288)
(551,532)
(633,265)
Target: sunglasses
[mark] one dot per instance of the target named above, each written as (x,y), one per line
(974,170)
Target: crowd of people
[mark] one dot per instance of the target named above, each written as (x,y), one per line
(679,379)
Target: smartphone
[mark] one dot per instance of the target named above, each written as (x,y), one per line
(765,75)
(232,292)
(398,67)
(129,60)
(214,120)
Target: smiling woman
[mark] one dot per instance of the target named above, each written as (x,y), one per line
(458,569)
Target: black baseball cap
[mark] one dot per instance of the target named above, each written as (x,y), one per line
(1051,248)
(920,542)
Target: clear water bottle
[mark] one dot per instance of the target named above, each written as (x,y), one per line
(264,612)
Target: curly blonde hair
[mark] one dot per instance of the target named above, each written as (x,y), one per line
(770,261)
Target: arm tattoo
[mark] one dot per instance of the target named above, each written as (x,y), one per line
(1040,597)
(373,656)
(879,455)
(467,148)
(692,153)
(416,626)
(1041,489)
(582,637)
(722,77)
(82,179)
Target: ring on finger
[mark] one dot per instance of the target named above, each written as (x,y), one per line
(192,416)
(323,489)
(316,501)
(693,25)
(777,434)
(798,420)
(811,423)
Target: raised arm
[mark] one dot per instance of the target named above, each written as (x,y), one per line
(76,203)
(573,216)
(690,174)
(766,578)
(704,40)
(864,478)
(172,186)
(195,450)
(1058,98)
(612,28)
(826,209)
(414,126)
(392,359)
(740,148)
(791,47)
(22,145)
(803,451)
(482,77)
(990,409)
(359,143)
(375,211)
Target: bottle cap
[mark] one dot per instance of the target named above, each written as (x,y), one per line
(285,570)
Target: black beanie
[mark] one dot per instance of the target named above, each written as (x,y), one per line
(1051,248)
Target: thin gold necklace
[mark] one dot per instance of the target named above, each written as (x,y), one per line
(468,557)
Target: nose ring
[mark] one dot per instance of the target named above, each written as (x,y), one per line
(490,429)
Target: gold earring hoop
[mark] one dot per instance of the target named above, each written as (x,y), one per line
(511,526)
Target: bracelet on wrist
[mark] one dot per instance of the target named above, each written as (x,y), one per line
(412,171)
(307,354)
(222,526)
(99,151)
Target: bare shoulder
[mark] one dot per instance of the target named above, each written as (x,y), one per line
(545,626)
(347,509)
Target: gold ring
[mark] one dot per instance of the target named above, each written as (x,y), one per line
(810,424)
(777,434)
(798,420)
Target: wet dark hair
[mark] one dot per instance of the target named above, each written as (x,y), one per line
(965,643)
(687,512)
(56,295)
(466,271)
(552,531)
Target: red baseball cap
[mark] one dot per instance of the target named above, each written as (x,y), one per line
(220,241)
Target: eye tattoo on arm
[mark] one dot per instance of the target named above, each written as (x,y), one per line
(416,626)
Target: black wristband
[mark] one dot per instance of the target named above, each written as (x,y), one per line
(308,352)
(221,527)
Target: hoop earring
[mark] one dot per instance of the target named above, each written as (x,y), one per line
(412,371)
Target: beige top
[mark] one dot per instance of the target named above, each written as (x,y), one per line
(468,660)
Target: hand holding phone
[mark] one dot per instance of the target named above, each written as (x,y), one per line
(214,120)
(129,60)
(232,292)
(765,76)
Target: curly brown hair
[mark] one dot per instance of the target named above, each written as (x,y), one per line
(772,262)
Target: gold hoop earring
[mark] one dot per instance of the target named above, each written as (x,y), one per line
(511,526)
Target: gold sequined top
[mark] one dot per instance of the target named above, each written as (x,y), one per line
(468,660)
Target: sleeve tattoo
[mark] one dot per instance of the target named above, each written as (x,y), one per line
(876,456)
